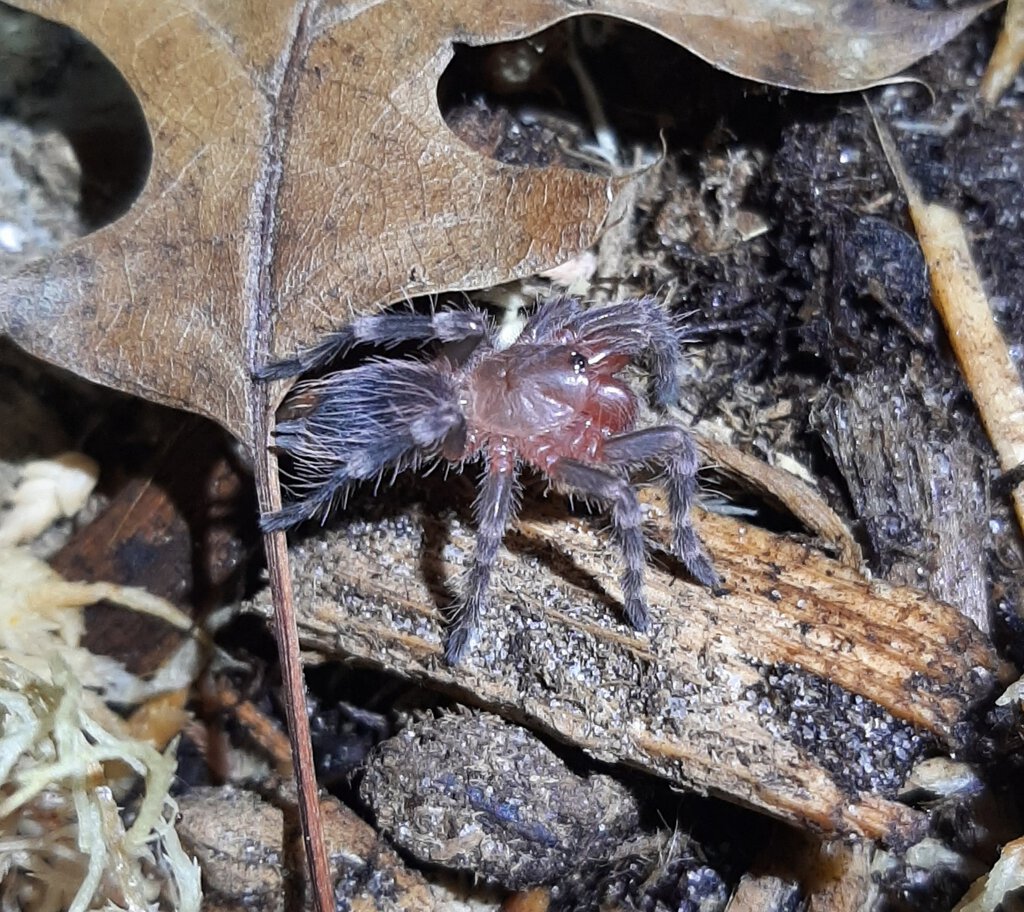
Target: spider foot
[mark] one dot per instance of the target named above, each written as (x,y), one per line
(634,601)
(700,569)
(637,614)
(690,551)
(459,640)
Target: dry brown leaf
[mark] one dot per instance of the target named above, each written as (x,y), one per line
(302,172)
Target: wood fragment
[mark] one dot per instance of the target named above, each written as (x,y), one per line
(170,531)
(959,295)
(256,723)
(1007,56)
(763,893)
(701,699)
(140,539)
(536,900)
(787,490)
(822,875)
(246,846)
(988,893)
(839,878)
(915,479)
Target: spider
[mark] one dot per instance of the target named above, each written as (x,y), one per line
(553,399)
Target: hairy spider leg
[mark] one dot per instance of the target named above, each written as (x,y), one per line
(550,317)
(366,420)
(634,328)
(385,330)
(625,508)
(319,503)
(675,449)
(494,507)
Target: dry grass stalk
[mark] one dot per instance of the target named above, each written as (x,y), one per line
(980,348)
(959,296)
(1007,56)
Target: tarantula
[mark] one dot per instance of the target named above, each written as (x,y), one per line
(552,399)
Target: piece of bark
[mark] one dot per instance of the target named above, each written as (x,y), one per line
(138,540)
(695,700)
(795,869)
(261,729)
(764,893)
(995,889)
(536,900)
(173,532)
(785,489)
(916,482)
(250,849)
(838,877)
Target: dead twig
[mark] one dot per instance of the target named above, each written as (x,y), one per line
(790,492)
(294,686)
(979,346)
(1007,56)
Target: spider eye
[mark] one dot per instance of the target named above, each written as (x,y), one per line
(579,363)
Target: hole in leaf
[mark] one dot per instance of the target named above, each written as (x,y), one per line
(53,81)
(588,91)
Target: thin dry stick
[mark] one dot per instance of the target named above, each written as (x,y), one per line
(298,722)
(268,491)
(979,345)
(959,296)
(1007,57)
(797,496)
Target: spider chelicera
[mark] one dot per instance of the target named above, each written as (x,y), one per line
(553,399)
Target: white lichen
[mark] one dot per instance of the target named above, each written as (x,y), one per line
(64,842)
